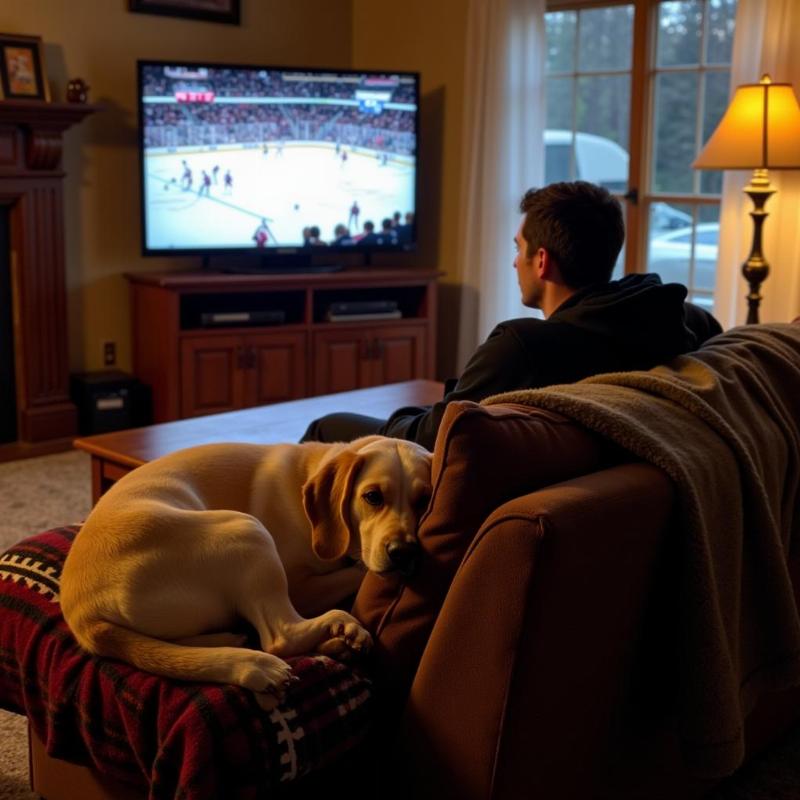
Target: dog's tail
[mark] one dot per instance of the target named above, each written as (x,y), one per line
(251,669)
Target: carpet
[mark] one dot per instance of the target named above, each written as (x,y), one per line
(35,494)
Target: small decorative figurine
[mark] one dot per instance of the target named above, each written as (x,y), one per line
(77,91)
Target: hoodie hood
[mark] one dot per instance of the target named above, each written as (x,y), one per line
(638,303)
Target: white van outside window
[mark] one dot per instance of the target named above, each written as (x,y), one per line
(604,162)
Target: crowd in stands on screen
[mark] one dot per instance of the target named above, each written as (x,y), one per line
(237,83)
(391,131)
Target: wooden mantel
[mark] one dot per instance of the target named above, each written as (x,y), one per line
(31,137)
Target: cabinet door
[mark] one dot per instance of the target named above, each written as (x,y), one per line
(397,354)
(276,368)
(212,379)
(341,361)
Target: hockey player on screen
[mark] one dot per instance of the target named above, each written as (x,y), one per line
(215,174)
(352,220)
(205,186)
(228,181)
(186,178)
(261,236)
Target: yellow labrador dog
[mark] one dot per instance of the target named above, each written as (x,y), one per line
(182,547)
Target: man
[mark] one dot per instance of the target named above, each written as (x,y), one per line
(567,245)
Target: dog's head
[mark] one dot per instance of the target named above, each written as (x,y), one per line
(366,502)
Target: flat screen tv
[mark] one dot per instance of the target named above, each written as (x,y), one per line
(276,161)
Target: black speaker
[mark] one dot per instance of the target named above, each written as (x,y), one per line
(109,400)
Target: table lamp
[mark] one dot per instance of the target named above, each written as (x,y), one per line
(760,131)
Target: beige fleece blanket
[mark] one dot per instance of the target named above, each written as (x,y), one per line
(724,423)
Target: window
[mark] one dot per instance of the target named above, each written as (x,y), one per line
(635,89)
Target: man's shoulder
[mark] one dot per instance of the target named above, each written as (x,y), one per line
(527,328)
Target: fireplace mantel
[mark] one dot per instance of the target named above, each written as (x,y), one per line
(31,188)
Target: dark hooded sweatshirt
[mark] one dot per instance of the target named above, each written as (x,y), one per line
(631,324)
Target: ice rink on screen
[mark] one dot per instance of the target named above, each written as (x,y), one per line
(304,185)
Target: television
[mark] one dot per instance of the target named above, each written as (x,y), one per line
(276,161)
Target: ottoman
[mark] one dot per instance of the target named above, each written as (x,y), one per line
(160,738)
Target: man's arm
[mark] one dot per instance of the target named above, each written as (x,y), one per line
(500,364)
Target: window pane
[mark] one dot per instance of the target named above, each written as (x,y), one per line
(606,38)
(560,33)
(604,111)
(604,106)
(560,103)
(716,101)
(669,250)
(705,247)
(721,19)
(679,33)
(674,141)
(558,160)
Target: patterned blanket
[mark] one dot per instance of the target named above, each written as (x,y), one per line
(177,740)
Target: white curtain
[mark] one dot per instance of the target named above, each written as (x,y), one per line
(767,39)
(504,101)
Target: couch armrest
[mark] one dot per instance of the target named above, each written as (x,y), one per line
(520,682)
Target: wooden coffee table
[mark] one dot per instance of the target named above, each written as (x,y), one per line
(116,454)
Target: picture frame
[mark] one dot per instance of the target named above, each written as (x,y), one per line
(226,11)
(22,74)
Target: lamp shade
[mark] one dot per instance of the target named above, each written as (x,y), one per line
(760,130)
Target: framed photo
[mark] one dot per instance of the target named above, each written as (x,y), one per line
(209,10)
(22,68)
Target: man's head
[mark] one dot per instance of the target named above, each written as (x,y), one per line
(579,226)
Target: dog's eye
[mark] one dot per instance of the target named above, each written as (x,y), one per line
(374,497)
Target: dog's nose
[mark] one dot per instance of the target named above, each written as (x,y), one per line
(403,555)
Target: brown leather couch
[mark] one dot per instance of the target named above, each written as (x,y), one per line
(536,644)
(532,655)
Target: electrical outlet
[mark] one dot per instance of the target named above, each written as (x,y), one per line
(109,354)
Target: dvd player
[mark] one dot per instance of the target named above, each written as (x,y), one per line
(343,308)
(213,319)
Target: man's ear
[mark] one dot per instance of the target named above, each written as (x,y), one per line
(326,501)
(544,264)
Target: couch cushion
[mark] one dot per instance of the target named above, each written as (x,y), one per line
(484,456)
(190,740)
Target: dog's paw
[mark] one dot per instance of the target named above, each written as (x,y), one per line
(347,639)
(264,673)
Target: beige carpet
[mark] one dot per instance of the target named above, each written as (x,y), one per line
(35,494)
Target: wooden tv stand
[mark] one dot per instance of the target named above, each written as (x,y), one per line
(196,369)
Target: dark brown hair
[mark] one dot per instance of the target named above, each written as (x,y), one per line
(580,225)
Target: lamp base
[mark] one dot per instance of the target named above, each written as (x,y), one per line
(756,268)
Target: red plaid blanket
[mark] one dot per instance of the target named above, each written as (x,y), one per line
(179,740)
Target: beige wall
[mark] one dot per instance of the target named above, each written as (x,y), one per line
(427,36)
(99,40)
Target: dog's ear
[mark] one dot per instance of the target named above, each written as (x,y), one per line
(326,500)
